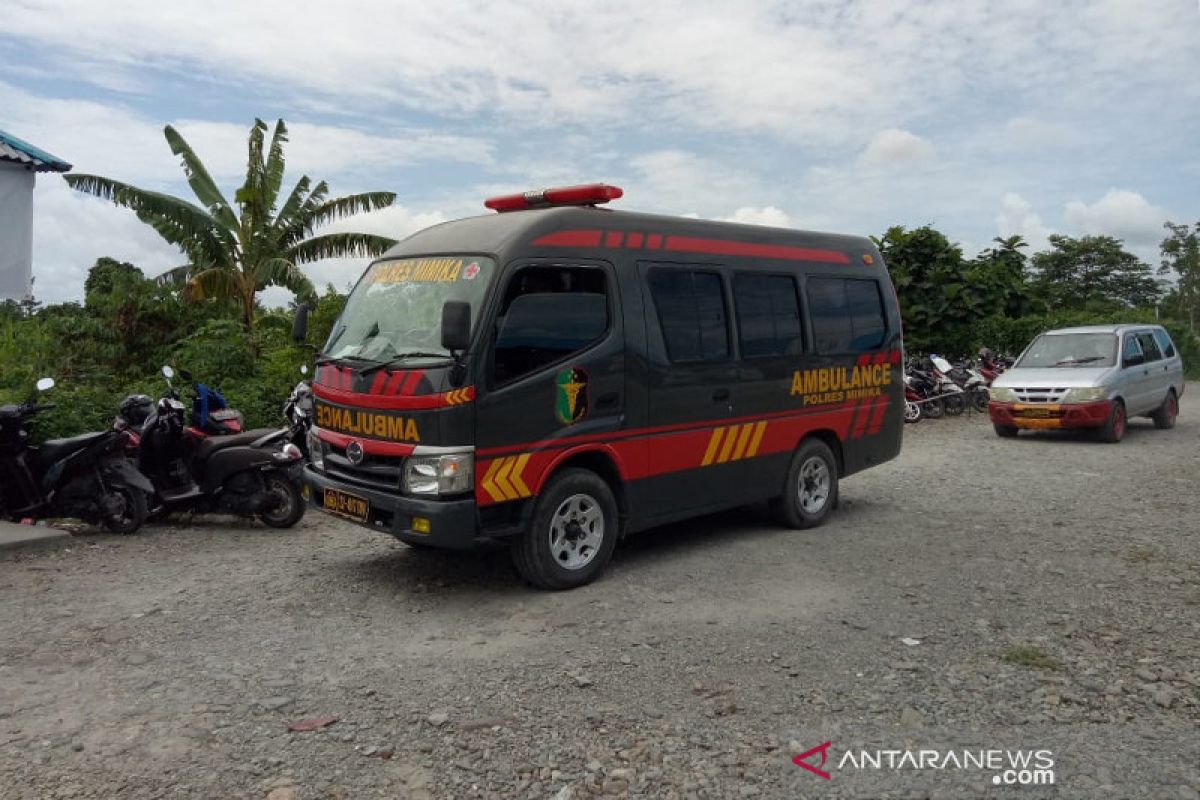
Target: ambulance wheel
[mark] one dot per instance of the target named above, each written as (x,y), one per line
(572,534)
(811,489)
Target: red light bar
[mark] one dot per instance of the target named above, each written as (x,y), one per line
(588,194)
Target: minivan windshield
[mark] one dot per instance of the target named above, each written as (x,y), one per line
(395,311)
(1071,350)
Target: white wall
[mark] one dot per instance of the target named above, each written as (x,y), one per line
(16,231)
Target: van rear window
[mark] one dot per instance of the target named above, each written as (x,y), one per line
(847,315)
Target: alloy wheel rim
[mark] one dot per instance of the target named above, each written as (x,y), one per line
(576,531)
(1119,422)
(814,485)
(283,504)
(911,410)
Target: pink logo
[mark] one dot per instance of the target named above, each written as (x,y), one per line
(800,761)
(471,271)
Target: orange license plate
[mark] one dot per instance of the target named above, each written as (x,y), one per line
(1035,412)
(346,505)
(1039,424)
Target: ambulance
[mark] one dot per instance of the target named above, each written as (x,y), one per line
(555,375)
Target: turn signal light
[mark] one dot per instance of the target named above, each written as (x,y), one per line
(588,194)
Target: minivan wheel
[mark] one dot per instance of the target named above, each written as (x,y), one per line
(1164,417)
(1114,429)
(811,488)
(572,534)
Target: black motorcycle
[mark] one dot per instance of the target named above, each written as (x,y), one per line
(89,477)
(298,411)
(211,466)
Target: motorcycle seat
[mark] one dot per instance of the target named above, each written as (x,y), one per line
(212,444)
(53,450)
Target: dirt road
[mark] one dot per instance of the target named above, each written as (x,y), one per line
(976,594)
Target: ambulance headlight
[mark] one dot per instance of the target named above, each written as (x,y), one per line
(433,475)
(316,450)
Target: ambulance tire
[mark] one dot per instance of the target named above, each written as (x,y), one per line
(810,492)
(572,534)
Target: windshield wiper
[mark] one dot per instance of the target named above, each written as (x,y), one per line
(396,359)
(1069,361)
(323,360)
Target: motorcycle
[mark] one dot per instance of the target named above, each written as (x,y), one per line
(954,397)
(212,466)
(89,477)
(967,378)
(923,388)
(298,411)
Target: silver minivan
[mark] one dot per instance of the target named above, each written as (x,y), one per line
(1093,377)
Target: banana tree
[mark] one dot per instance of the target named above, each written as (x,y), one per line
(237,250)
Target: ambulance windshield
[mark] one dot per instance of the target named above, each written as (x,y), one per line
(396,309)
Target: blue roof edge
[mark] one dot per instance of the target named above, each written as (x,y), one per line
(49,162)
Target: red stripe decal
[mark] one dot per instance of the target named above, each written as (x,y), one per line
(372,446)
(654,241)
(723,247)
(881,404)
(569,239)
(612,239)
(379,402)
(633,240)
(393,385)
(410,383)
(857,405)
(377,384)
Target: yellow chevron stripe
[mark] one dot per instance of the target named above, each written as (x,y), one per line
(759,430)
(727,447)
(517,479)
(713,441)
(488,481)
(506,489)
(743,440)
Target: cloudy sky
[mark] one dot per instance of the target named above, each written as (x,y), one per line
(982,118)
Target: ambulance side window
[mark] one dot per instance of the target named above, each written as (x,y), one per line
(691,311)
(547,315)
(847,315)
(768,314)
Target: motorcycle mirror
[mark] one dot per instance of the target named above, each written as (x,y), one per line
(304,369)
(44,384)
(167,372)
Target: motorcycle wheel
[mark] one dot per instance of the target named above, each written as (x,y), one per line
(132,514)
(912,411)
(289,503)
(954,404)
(932,408)
(980,399)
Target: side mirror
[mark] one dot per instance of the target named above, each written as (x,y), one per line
(167,372)
(45,383)
(456,325)
(304,369)
(300,323)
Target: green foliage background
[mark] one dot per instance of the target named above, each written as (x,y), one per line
(128,326)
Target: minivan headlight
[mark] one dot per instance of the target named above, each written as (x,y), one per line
(1002,394)
(1085,394)
(433,475)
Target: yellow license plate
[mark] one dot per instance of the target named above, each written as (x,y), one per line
(1040,424)
(1036,412)
(346,505)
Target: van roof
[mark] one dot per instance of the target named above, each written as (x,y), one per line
(503,233)
(1119,328)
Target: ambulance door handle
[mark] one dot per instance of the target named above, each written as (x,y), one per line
(608,400)
(720,395)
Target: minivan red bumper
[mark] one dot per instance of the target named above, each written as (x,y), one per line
(1050,416)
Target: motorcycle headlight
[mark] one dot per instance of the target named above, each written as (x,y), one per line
(434,475)
(1002,394)
(316,450)
(1085,394)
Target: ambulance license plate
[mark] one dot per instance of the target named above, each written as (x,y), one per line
(346,505)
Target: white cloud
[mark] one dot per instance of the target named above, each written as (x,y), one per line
(894,147)
(767,215)
(1017,218)
(1121,213)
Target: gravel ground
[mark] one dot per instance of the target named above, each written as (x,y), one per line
(976,593)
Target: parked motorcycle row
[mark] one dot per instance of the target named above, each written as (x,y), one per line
(934,387)
(159,457)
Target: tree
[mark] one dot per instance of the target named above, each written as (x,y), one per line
(1093,273)
(236,254)
(1181,259)
(1000,275)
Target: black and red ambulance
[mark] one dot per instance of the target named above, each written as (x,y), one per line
(558,375)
